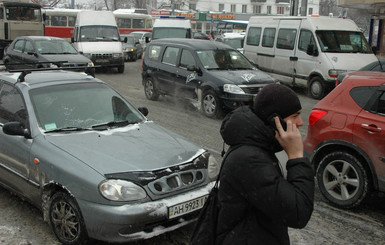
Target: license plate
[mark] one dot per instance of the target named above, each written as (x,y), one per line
(186,207)
(101,61)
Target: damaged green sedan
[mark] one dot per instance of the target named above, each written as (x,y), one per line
(94,164)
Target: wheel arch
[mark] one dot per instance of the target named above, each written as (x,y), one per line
(48,191)
(337,145)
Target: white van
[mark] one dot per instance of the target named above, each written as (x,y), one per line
(171,28)
(96,35)
(306,51)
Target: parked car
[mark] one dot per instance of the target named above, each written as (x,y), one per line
(234,39)
(143,36)
(373,66)
(92,163)
(212,73)
(132,49)
(346,139)
(29,52)
(201,35)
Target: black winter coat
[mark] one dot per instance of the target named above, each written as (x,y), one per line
(257,203)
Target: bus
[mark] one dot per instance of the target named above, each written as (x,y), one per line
(19,18)
(225,26)
(60,22)
(128,21)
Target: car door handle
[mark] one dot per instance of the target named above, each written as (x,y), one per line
(371,127)
(293,58)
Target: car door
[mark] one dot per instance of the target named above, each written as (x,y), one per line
(369,128)
(30,58)
(14,150)
(186,81)
(166,74)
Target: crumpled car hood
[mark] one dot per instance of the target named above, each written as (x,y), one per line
(143,147)
(242,76)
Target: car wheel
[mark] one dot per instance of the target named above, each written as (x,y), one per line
(66,220)
(121,69)
(150,90)
(316,88)
(210,104)
(342,179)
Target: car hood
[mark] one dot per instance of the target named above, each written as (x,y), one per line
(70,58)
(242,76)
(139,147)
(99,47)
(350,61)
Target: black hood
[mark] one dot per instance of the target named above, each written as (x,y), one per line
(242,126)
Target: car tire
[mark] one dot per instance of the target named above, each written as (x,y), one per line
(150,89)
(121,69)
(316,88)
(66,220)
(211,106)
(342,179)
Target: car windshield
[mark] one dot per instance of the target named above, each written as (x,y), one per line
(343,42)
(81,106)
(222,59)
(55,47)
(130,40)
(234,42)
(98,33)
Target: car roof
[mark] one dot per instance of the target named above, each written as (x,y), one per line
(36,79)
(40,38)
(197,44)
(367,78)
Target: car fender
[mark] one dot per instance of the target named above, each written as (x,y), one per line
(336,145)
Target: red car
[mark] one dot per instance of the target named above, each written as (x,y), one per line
(346,139)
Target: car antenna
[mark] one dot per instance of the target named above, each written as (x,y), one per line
(22,76)
(374,49)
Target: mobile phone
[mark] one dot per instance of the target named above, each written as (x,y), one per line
(272,122)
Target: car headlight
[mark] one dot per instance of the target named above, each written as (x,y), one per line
(213,168)
(121,190)
(233,89)
(132,50)
(90,64)
(126,49)
(117,55)
(334,72)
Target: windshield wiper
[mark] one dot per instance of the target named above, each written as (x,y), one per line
(111,124)
(67,129)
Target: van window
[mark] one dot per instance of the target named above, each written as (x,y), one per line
(305,38)
(286,38)
(154,52)
(268,37)
(186,59)
(343,42)
(170,55)
(254,36)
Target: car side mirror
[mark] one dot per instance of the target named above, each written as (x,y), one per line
(143,110)
(16,128)
(125,39)
(312,50)
(374,50)
(147,39)
(72,39)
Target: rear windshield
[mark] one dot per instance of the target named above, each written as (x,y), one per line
(172,32)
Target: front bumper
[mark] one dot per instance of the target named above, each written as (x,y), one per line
(137,221)
(233,101)
(107,60)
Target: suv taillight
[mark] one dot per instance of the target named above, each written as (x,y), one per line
(315,116)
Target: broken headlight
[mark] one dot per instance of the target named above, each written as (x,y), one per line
(121,190)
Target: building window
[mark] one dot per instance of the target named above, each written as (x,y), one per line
(268,9)
(257,9)
(280,10)
(192,6)
(221,7)
(233,8)
(244,8)
(310,11)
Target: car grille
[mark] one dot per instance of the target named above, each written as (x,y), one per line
(177,181)
(73,65)
(101,56)
(252,89)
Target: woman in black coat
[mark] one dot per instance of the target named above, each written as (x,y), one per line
(258,203)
